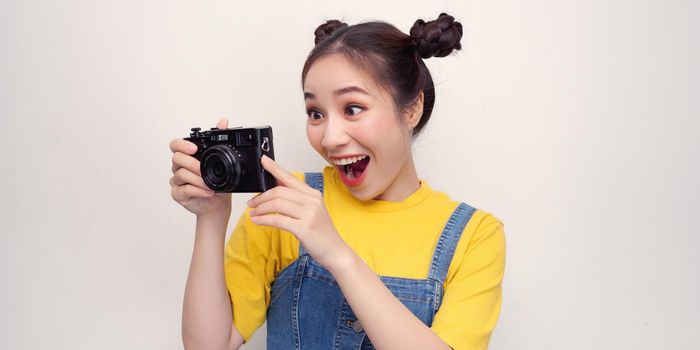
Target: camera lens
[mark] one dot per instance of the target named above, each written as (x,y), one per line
(221,168)
(218,169)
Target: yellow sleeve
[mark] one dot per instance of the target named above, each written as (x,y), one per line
(472,300)
(253,256)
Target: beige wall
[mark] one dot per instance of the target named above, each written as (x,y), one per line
(575,122)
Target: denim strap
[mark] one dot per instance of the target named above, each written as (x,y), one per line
(447,243)
(315,181)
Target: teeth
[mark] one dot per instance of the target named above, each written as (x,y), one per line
(350,160)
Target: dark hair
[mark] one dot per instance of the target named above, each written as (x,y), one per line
(395,58)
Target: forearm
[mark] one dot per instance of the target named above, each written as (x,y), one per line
(207,316)
(387,322)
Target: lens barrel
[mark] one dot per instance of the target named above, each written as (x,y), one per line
(221,168)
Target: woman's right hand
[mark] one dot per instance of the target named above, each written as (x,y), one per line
(188,187)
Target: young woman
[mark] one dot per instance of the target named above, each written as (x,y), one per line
(364,254)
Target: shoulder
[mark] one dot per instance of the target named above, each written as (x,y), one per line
(481,222)
(483,225)
(482,244)
(482,240)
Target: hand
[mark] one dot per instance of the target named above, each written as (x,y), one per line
(295,207)
(188,187)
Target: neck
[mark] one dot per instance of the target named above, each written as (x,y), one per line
(405,184)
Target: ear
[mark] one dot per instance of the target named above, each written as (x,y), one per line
(415,112)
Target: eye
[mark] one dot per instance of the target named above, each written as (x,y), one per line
(314,114)
(353,110)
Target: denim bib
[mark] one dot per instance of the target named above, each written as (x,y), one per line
(307,309)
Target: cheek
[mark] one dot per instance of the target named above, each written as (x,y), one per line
(315,136)
(385,133)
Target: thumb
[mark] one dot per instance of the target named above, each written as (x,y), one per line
(222,124)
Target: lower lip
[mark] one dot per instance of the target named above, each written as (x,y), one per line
(354,181)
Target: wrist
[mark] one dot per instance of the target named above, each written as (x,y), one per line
(211,224)
(218,216)
(344,262)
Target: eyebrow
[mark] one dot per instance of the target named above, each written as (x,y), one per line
(341,91)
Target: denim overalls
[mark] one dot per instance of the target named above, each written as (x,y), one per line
(307,309)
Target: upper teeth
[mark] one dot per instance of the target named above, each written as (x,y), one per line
(346,161)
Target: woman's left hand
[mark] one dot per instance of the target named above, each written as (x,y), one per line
(295,207)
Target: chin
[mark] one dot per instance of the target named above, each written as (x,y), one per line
(362,195)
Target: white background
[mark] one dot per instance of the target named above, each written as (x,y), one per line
(574,122)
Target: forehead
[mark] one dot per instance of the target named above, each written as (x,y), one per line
(334,71)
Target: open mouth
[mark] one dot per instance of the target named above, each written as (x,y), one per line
(352,168)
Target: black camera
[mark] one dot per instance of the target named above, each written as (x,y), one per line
(230,158)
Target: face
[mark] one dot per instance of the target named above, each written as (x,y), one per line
(353,124)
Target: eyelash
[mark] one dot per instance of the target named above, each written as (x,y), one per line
(311,111)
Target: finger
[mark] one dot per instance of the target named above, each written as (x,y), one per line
(280,221)
(184,146)
(184,176)
(181,160)
(283,192)
(185,192)
(222,124)
(283,176)
(279,206)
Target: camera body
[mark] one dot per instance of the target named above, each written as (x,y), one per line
(230,158)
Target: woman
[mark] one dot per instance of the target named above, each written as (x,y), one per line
(384,260)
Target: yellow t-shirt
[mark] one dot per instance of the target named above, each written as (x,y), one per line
(395,239)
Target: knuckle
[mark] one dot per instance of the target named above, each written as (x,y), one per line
(180,172)
(177,173)
(314,216)
(275,203)
(174,193)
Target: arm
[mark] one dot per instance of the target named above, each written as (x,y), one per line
(470,305)
(207,320)
(300,210)
(387,322)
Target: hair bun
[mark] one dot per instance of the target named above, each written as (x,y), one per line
(436,38)
(325,30)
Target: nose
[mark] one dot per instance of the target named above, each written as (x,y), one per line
(335,134)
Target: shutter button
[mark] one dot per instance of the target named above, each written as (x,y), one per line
(357,326)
